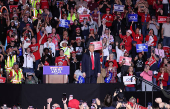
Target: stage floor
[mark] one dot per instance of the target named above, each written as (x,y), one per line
(36,95)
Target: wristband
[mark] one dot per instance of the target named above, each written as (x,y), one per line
(48,103)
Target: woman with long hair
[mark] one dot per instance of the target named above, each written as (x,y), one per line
(130,87)
(111,73)
(162,77)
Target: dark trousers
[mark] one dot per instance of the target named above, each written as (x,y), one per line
(165,9)
(92,78)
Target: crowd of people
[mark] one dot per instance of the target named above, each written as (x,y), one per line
(32,37)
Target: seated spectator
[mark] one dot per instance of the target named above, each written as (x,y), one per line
(147,75)
(162,78)
(62,60)
(31,79)
(127,40)
(111,73)
(130,87)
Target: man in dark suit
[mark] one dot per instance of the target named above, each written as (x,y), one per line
(91,65)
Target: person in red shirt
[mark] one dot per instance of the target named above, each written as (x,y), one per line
(127,40)
(9,34)
(62,60)
(162,77)
(132,86)
(35,47)
(151,40)
(137,36)
(44,4)
(111,58)
(145,18)
(108,17)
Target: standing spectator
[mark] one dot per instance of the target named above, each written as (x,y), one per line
(103,5)
(159,51)
(28,61)
(127,40)
(74,65)
(119,51)
(137,36)
(78,73)
(111,58)
(145,18)
(153,24)
(91,65)
(111,73)
(71,4)
(46,59)
(31,79)
(147,75)
(81,3)
(35,47)
(62,60)
(105,51)
(67,50)
(165,7)
(108,17)
(157,6)
(92,5)
(50,45)
(130,87)
(151,40)
(166,33)
(162,78)
(96,16)
(44,4)
(100,79)
(55,40)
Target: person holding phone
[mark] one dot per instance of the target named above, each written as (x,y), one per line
(62,60)
(162,77)
(147,75)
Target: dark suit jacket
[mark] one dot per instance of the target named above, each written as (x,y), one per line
(87,64)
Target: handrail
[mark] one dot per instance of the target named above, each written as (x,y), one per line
(150,83)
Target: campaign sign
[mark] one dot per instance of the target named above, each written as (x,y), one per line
(2,80)
(126,59)
(141,47)
(81,80)
(82,16)
(118,8)
(64,23)
(151,62)
(166,50)
(127,80)
(12,6)
(162,19)
(133,17)
(97,45)
(56,70)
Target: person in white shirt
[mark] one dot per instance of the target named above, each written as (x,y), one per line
(28,61)
(121,51)
(78,73)
(50,45)
(105,51)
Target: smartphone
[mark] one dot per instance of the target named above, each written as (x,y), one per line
(140,31)
(64,96)
(94,101)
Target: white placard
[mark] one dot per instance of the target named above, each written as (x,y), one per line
(127,80)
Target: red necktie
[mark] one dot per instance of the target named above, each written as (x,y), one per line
(92,61)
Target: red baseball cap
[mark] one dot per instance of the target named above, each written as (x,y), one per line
(121,44)
(12,39)
(27,24)
(77,28)
(74,103)
(91,29)
(126,52)
(49,36)
(9,31)
(58,108)
(38,3)
(61,3)
(107,9)
(73,52)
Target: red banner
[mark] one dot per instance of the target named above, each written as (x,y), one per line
(97,45)
(2,80)
(166,50)
(151,62)
(126,59)
(162,19)
(12,6)
(81,17)
(136,106)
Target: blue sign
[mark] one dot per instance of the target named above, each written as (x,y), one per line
(141,47)
(56,70)
(108,79)
(64,23)
(133,17)
(81,80)
(118,8)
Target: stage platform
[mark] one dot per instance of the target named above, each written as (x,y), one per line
(36,95)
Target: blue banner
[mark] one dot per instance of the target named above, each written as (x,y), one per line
(81,80)
(141,47)
(108,79)
(64,23)
(56,70)
(133,17)
(118,8)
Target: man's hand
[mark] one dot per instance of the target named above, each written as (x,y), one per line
(84,75)
(49,100)
(132,23)
(98,75)
(117,43)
